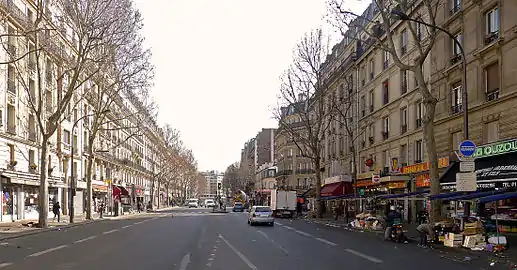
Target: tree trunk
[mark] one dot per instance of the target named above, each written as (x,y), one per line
(317,204)
(158,206)
(43,188)
(152,191)
(89,166)
(430,143)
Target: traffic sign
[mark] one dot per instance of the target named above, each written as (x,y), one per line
(467,148)
(467,166)
(376,179)
(466,181)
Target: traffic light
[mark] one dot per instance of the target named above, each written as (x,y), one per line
(219,186)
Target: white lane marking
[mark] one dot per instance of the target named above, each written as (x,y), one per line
(85,239)
(140,222)
(47,251)
(303,233)
(289,228)
(111,231)
(274,243)
(127,226)
(243,258)
(364,256)
(326,241)
(5,264)
(4,244)
(278,223)
(185,262)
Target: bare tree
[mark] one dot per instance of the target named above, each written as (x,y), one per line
(232,178)
(377,27)
(127,75)
(305,110)
(64,51)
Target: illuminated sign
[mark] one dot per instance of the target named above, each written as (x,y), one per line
(498,148)
(424,166)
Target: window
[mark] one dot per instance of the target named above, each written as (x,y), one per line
(455,6)
(371,68)
(492,25)
(386,61)
(363,75)
(419,151)
(403,81)
(492,81)
(385,92)
(403,120)
(372,101)
(31,158)
(386,157)
(363,106)
(11,119)
(492,129)
(66,137)
(290,153)
(419,29)
(48,100)
(403,154)
(12,157)
(11,79)
(457,138)
(385,127)
(456,97)
(371,134)
(75,144)
(456,51)
(32,128)
(403,41)
(419,114)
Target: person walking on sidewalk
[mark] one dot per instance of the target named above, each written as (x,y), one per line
(56,209)
(424,230)
(339,211)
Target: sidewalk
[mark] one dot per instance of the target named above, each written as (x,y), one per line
(19,228)
(462,254)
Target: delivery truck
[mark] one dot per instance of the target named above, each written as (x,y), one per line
(283,203)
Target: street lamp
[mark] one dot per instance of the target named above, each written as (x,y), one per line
(72,186)
(400,15)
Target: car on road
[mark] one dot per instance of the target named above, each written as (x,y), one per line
(209,203)
(261,215)
(238,207)
(193,203)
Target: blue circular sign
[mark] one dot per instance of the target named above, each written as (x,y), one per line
(467,148)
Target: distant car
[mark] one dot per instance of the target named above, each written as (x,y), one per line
(261,215)
(209,203)
(238,207)
(193,203)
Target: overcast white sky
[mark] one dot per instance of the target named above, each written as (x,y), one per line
(218,63)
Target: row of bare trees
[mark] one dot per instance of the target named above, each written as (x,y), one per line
(311,104)
(67,58)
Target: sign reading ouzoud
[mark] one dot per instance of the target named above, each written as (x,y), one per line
(497,148)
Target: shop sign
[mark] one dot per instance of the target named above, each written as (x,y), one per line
(365,175)
(497,148)
(396,185)
(423,180)
(100,188)
(424,166)
(506,171)
(491,185)
(395,165)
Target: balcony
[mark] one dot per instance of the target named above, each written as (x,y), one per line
(455,59)
(418,122)
(283,173)
(385,135)
(403,88)
(491,37)
(305,171)
(456,7)
(403,129)
(11,129)
(456,108)
(492,95)
(371,139)
(32,136)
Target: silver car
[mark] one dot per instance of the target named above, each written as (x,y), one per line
(261,215)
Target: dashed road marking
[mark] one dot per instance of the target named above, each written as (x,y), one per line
(47,251)
(243,258)
(127,226)
(326,241)
(278,223)
(364,256)
(185,262)
(85,239)
(5,264)
(303,233)
(274,242)
(110,231)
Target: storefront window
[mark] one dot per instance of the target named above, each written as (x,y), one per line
(31,202)
(7,201)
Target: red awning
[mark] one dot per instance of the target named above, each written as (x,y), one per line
(334,189)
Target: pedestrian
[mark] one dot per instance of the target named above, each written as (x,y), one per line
(424,230)
(393,217)
(56,209)
(101,209)
(139,206)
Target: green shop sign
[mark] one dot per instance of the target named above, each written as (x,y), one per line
(497,148)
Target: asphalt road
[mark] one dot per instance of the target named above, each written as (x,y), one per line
(198,239)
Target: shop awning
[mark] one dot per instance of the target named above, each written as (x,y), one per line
(334,189)
(445,195)
(344,196)
(402,195)
(474,195)
(498,197)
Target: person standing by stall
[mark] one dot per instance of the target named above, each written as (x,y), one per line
(425,230)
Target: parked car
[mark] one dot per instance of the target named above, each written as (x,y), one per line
(193,203)
(261,215)
(209,203)
(238,207)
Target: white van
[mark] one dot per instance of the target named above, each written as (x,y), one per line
(193,203)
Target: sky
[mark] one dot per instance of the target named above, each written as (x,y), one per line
(218,64)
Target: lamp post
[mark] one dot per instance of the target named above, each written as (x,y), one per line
(398,14)
(72,186)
